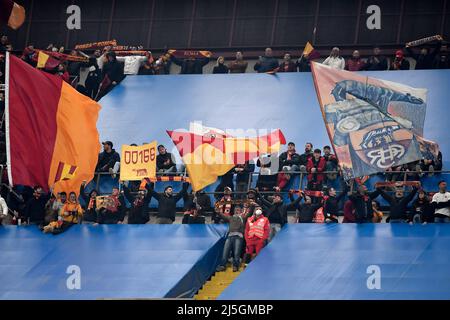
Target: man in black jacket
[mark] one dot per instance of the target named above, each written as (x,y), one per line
(276,211)
(138,213)
(306,210)
(398,204)
(376,62)
(426,57)
(109,159)
(362,202)
(289,160)
(167,203)
(35,207)
(190,65)
(164,162)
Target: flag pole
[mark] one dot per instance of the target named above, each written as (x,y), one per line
(7,132)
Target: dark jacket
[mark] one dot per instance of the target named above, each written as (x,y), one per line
(287,67)
(35,208)
(266,64)
(277,212)
(304,158)
(190,66)
(244,176)
(114,71)
(107,160)
(295,160)
(138,213)
(331,204)
(167,205)
(398,206)
(161,158)
(363,205)
(90,214)
(202,203)
(424,61)
(305,212)
(402,65)
(221,68)
(424,208)
(376,63)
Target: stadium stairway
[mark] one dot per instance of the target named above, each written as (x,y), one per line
(217,284)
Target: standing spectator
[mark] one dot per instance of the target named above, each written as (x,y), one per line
(422,211)
(235,238)
(426,57)
(92,80)
(243,177)
(190,65)
(132,64)
(304,158)
(138,213)
(355,63)
(289,162)
(305,212)
(398,204)
(362,205)
(399,63)
(331,204)
(267,63)
(73,67)
(225,206)
(3,209)
(331,163)
(226,181)
(276,212)
(112,210)
(377,213)
(167,203)
(62,72)
(314,167)
(113,70)
(162,65)
(256,234)
(335,60)
(441,204)
(376,62)
(197,206)
(349,212)
(164,162)
(220,67)
(238,65)
(442,60)
(287,65)
(90,208)
(35,207)
(304,64)
(108,160)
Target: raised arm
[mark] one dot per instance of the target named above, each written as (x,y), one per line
(182,192)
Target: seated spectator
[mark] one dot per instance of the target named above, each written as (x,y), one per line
(426,57)
(220,67)
(335,61)
(430,164)
(90,208)
(376,62)
(108,160)
(377,213)
(111,211)
(132,64)
(267,178)
(138,212)
(70,214)
(257,231)
(56,207)
(235,238)
(331,161)
(314,167)
(306,211)
(362,204)
(441,204)
(190,65)
(394,173)
(287,65)
(422,211)
(276,211)
(238,65)
(355,63)
(442,60)
(225,206)
(304,158)
(197,206)
(243,178)
(267,63)
(167,203)
(399,62)
(34,211)
(164,162)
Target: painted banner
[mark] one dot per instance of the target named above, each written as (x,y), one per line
(373,124)
(138,162)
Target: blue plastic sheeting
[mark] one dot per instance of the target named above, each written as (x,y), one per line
(116,261)
(142,108)
(312,261)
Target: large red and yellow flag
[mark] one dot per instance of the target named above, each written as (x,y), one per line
(209,156)
(11,14)
(51,133)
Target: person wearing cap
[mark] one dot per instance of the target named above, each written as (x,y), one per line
(253,199)
(399,62)
(225,206)
(167,203)
(138,213)
(257,230)
(108,160)
(276,211)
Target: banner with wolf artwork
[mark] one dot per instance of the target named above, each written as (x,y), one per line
(372,124)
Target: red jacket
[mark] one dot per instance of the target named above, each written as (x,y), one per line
(257,228)
(354,65)
(320,168)
(349,212)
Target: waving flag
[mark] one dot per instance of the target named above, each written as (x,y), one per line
(373,124)
(51,134)
(11,14)
(310,53)
(211,155)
